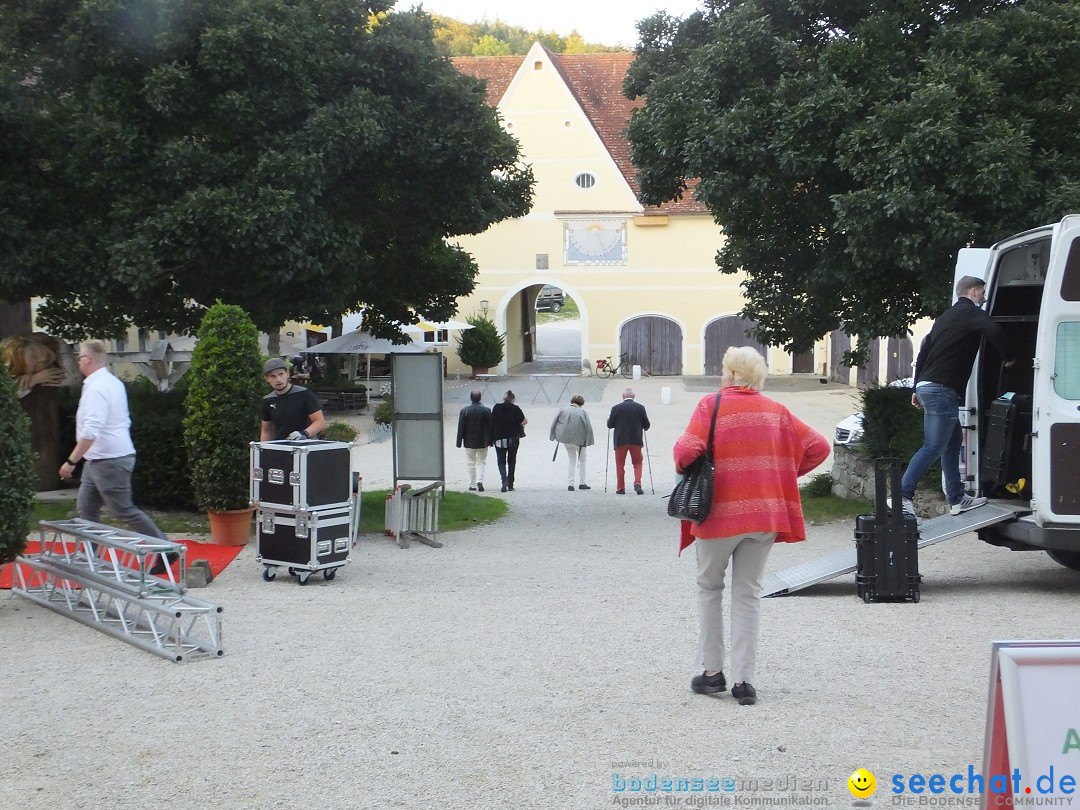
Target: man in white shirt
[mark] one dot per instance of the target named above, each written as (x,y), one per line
(103,439)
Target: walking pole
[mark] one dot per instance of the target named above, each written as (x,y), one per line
(648,458)
(607,454)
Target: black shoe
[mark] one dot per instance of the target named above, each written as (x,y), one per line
(163,563)
(503,488)
(708,684)
(472,488)
(570,488)
(584,486)
(620,492)
(510,487)
(638,489)
(744,693)
(479,486)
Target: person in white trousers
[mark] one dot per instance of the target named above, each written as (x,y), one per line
(572,428)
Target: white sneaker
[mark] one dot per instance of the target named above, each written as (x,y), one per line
(967,504)
(909,507)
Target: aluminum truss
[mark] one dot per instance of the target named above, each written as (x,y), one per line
(98,575)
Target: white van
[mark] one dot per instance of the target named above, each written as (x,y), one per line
(1033,291)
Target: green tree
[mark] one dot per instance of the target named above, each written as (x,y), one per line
(298,157)
(849,149)
(17,476)
(488,45)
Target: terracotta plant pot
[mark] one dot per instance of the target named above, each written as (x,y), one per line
(231,528)
(478,370)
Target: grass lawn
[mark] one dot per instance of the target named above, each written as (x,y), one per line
(568,312)
(459,510)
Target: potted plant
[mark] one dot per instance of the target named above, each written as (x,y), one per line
(222,419)
(482,346)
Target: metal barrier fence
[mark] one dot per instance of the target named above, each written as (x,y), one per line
(414,514)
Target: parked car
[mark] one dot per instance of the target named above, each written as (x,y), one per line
(550,299)
(849,431)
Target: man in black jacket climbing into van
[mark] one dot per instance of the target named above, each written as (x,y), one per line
(941,376)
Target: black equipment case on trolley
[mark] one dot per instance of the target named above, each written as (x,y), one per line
(1006,456)
(304,540)
(301,474)
(887,542)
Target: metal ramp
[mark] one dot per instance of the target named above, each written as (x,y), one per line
(98,575)
(931,531)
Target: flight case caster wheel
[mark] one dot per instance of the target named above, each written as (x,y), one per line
(302,577)
(329,573)
(270,573)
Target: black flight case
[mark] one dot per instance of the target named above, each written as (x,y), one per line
(305,506)
(887,542)
(1006,455)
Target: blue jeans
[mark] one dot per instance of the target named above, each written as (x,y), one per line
(942,439)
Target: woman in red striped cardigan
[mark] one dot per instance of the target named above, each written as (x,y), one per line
(760,450)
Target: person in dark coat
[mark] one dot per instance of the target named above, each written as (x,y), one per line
(507,427)
(474,434)
(629,421)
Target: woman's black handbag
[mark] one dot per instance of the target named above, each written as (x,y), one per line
(692,497)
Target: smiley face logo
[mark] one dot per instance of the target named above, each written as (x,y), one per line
(862,784)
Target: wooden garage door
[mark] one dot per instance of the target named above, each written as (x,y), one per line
(654,343)
(868,372)
(839,343)
(723,333)
(900,356)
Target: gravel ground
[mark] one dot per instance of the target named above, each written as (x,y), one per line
(523,665)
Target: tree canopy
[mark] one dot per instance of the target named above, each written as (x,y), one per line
(849,149)
(299,158)
(498,38)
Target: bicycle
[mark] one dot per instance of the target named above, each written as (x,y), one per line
(604,368)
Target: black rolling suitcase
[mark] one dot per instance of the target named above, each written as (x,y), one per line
(1006,455)
(887,542)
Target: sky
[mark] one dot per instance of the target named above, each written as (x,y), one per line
(604,22)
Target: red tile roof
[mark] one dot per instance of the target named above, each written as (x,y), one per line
(595,80)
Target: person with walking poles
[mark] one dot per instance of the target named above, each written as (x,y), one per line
(572,428)
(507,429)
(759,450)
(629,421)
(474,433)
(941,376)
(103,440)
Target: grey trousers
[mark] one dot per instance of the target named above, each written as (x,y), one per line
(748,554)
(107,482)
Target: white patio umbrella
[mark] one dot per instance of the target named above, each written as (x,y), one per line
(358,342)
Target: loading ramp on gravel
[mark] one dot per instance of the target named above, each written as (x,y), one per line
(931,531)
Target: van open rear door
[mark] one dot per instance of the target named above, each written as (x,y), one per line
(1056,417)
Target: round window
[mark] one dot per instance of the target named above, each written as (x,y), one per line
(585,180)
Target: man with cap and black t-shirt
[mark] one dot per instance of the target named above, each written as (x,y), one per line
(289,411)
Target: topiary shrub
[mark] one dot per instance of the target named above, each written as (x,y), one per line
(891,427)
(157,430)
(17,477)
(222,408)
(339,432)
(481,346)
(384,412)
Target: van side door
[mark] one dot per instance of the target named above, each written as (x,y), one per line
(1055,490)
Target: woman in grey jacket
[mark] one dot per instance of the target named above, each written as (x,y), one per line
(573,429)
